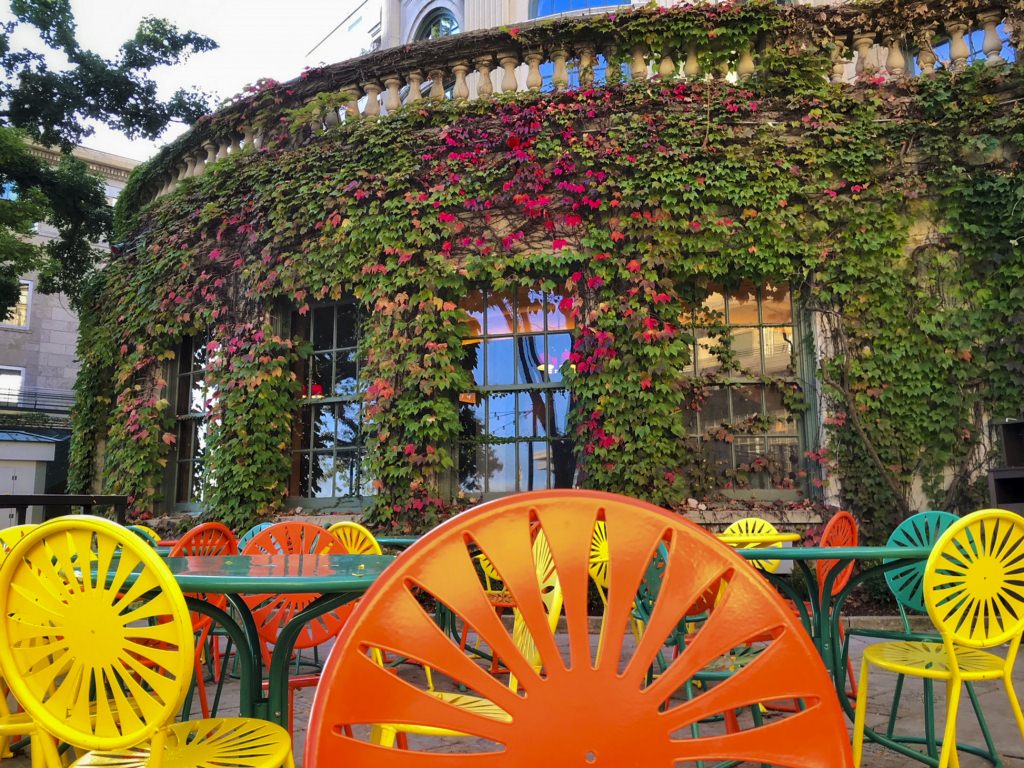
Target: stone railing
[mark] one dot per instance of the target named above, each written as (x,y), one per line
(868,43)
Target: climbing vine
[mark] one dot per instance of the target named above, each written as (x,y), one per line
(896,219)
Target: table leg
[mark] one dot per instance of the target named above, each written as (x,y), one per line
(249,670)
(277,698)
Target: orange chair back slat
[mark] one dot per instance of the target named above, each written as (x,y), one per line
(272,612)
(580,707)
(840,531)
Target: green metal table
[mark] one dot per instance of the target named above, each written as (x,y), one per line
(337,579)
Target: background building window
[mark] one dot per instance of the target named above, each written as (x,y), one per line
(439,23)
(764,449)
(539,8)
(327,460)
(514,425)
(10,385)
(19,314)
(193,401)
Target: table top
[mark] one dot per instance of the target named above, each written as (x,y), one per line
(755,539)
(254,574)
(837,553)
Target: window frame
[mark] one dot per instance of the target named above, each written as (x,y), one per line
(29,292)
(196,421)
(4,401)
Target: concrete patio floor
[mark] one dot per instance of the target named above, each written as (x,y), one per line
(911,721)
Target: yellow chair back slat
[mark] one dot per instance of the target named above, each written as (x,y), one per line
(356,538)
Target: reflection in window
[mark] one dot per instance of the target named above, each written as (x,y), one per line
(193,401)
(539,8)
(17,317)
(439,23)
(515,426)
(764,450)
(327,456)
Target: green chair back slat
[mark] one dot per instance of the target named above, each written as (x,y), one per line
(920,530)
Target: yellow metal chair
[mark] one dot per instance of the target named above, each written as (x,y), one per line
(973,596)
(356,538)
(11,724)
(755,528)
(96,646)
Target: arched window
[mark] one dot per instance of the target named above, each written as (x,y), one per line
(539,8)
(439,23)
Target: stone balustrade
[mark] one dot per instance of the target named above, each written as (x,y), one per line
(874,43)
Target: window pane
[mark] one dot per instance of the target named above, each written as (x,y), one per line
(324,428)
(321,371)
(712,307)
(471,466)
(346,473)
(775,305)
(746,343)
(501,468)
(743,304)
(778,351)
(559,348)
(707,360)
(533,461)
(532,365)
(474,306)
(346,326)
(303,489)
(348,423)
(501,414)
(557,319)
(345,382)
(323,328)
(530,311)
(560,410)
(499,314)
(532,414)
(500,362)
(322,476)
(716,409)
(746,402)
(778,414)
(563,464)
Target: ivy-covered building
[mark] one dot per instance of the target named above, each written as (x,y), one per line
(665,252)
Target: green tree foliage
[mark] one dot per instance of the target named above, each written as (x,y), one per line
(58,106)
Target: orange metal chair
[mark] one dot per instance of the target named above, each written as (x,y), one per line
(272,612)
(209,539)
(576,706)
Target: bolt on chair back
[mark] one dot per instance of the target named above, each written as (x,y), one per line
(96,645)
(571,704)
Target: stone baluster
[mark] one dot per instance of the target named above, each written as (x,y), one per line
(959,51)
(461,89)
(190,166)
(667,67)
(199,167)
(691,70)
(372,89)
(436,83)
(248,138)
(992,45)
(638,63)
(862,44)
(533,78)
(613,75)
(211,152)
(895,61)
(235,143)
(393,100)
(926,57)
(222,149)
(331,119)
(165,187)
(415,81)
(588,59)
(508,60)
(352,105)
(745,65)
(316,121)
(484,86)
(560,78)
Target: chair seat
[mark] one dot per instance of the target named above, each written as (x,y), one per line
(208,743)
(924,659)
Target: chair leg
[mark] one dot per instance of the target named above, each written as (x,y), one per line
(929,717)
(1014,702)
(948,756)
(983,724)
(204,704)
(894,708)
(860,715)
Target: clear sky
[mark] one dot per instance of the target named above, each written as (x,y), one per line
(258,38)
